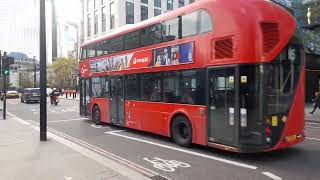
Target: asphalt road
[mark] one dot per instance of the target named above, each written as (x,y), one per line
(158,155)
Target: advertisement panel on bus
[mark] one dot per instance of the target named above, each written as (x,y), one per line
(165,56)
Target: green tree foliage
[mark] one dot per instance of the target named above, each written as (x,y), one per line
(26,79)
(62,72)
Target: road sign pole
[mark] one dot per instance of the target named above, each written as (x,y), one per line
(4,113)
(43,73)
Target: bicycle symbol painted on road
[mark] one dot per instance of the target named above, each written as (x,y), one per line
(166,165)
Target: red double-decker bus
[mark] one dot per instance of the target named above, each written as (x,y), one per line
(224,74)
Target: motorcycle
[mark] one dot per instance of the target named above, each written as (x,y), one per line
(54,100)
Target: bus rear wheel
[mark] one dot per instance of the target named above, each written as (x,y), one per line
(181,131)
(96,115)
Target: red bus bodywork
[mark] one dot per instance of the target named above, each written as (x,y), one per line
(240,21)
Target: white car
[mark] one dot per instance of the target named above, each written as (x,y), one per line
(49,90)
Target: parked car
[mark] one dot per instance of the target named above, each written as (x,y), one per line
(30,95)
(10,94)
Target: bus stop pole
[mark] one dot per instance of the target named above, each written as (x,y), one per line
(43,73)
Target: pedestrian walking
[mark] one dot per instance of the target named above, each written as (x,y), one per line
(316,102)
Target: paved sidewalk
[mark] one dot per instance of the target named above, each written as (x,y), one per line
(315,117)
(23,156)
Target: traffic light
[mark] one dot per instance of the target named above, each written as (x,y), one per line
(6,61)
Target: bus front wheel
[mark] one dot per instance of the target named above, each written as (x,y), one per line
(96,115)
(181,131)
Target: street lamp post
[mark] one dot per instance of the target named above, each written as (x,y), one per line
(43,73)
(34,72)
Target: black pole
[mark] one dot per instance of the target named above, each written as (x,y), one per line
(43,73)
(35,72)
(4,89)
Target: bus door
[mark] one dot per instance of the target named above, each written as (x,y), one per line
(117,100)
(222,121)
(85,96)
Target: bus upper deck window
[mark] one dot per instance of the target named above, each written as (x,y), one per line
(205,22)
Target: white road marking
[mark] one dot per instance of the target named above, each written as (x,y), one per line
(66,120)
(14,103)
(312,127)
(316,139)
(67,178)
(272,176)
(185,151)
(166,165)
(313,123)
(99,126)
(111,132)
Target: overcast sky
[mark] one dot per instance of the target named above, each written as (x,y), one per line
(69,10)
(19,23)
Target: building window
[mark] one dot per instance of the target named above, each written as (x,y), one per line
(157,3)
(112,23)
(191,1)
(89,5)
(157,12)
(103,19)
(89,25)
(181,3)
(96,22)
(144,13)
(129,13)
(144,1)
(169,5)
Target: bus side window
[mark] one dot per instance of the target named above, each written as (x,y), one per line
(189,24)
(91,51)
(131,87)
(105,86)
(132,40)
(96,87)
(147,36)
(205,22)
(116,44)
(151,89)
(170,29)
(84,53)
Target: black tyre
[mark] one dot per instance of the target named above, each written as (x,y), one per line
(181,131)
(96,115)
